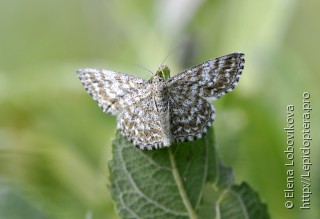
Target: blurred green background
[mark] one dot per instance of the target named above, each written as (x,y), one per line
(55,141)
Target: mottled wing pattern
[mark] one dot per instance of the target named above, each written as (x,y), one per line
(190,117)
(112,90)
(132,99)
(153,114)
(142,123)
(191,91)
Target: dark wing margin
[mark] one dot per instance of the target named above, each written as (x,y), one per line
(211,79)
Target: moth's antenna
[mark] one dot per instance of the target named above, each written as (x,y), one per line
(171,51)
(145,69)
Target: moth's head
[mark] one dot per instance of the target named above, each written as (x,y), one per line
(163,72)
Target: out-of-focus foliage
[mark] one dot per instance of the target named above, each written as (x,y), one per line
(54,140)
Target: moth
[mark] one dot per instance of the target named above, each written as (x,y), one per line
(156,113)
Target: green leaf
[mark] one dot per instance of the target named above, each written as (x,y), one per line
(185,180)
(240,202)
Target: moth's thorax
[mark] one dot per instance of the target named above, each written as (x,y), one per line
(159,90)
(160,93)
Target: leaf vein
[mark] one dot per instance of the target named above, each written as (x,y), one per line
(135,186)
(183,194)
(155,163)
